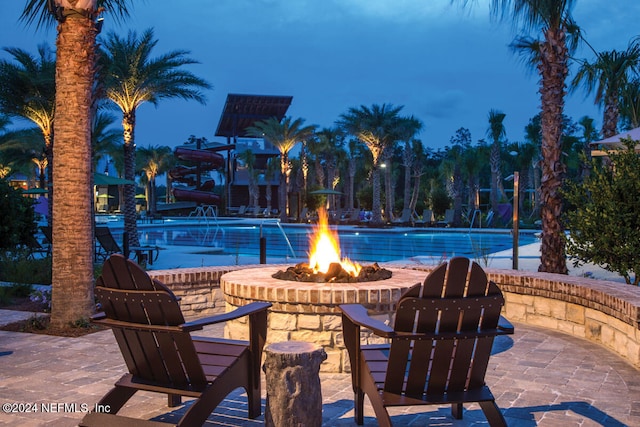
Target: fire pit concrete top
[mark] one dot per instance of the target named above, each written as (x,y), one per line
(256,284)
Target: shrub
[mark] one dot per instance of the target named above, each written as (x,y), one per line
(603,215)
(18,268)
(18,219)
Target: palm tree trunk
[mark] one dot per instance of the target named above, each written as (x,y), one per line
(72,272)
(282,190)
(554,70)
(377,203)
(610,119)
(130,225)
(408,162)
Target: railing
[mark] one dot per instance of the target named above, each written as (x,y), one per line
(284,234)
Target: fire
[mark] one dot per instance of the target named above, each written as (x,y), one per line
(325,248)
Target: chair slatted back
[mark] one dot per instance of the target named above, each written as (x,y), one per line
(152,349)
(458,303)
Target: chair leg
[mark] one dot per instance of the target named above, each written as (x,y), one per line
(456,411)
(493,414)
(116,398)
(254,402)
(174,400)
(358,406)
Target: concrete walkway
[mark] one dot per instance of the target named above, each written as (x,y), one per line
(539,377)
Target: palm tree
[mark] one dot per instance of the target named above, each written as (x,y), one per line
(607,76)
(72,271)
(550,55)
(21,149)
(153,160)
(408,128)
(376,128)
(284,136)
(27,90)
(132,78)
(589,134)
(496,132)
(249,159)
(630,105)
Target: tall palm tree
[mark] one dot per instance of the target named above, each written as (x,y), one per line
(72,271)
(284,136)
(589,134)
(21,149)
(375,127)
(27,90)
(496,132)
(249,159)
(408,128)
(132,78)
(153,160)
(552,20)
(607,76)
(630,105)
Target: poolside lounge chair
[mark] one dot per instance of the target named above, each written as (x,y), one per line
(107,245)
(448,218)
(439,349)
(34,247)
(427,219)
(405,219)
(163,357)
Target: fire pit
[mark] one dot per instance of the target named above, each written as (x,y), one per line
(308,310)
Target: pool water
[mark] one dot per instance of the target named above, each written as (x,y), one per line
(365,245)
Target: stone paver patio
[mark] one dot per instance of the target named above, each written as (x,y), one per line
(539,377)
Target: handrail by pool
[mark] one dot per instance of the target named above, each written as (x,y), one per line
(284,234)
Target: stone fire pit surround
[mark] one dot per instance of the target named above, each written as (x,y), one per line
(304,311)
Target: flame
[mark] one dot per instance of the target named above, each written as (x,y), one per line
(325,248)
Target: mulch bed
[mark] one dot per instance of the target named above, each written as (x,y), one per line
(41,324)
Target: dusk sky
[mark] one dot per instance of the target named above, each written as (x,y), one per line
(447,66)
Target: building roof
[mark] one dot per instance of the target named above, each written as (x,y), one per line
(242,111)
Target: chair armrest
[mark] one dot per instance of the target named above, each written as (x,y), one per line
(505,325)
(359,316)
(246,310)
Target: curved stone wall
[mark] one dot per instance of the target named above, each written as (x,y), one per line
(606,313)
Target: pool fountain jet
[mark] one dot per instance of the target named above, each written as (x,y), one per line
(325,264)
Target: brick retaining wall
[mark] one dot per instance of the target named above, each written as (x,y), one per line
(607,313)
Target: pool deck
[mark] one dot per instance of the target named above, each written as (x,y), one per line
(539,377)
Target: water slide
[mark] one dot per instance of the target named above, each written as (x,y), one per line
(207,160)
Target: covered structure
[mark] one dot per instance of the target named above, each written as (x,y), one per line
(600,148)
(239,113)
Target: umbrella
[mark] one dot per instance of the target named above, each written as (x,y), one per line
(101,179)
(102,196)
(140,196)
(326,192)
(613,142)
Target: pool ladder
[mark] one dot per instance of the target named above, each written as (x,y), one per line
(284,234)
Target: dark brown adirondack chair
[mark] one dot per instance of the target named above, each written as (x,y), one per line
(161,355)
(439,347)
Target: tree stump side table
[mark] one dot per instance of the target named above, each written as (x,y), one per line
(294,396)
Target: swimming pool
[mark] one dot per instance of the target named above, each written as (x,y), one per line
(359,244)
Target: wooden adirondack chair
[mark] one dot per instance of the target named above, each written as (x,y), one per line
(161,355)
(439,347)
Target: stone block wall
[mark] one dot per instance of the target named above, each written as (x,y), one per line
(606,313)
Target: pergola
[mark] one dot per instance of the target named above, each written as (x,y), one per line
(243,111)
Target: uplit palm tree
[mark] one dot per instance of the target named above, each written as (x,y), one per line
(153,161)
(132,78)
(607,76)
(552,20)
(72,271)
(496,132)
(284,136)
(21,149)
(376,127)
(27,90)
